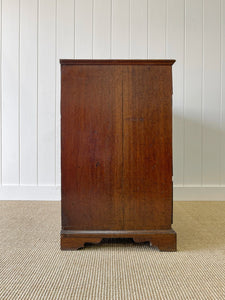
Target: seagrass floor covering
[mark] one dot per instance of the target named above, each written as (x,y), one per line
(32,266)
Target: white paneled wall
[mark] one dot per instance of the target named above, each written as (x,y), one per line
(27,93)
(35,34)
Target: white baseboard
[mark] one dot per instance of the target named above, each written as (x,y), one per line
(49,193)
(30,192)
(199,193)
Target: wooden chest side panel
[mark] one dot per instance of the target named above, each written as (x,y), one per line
(91,143)
(147,147)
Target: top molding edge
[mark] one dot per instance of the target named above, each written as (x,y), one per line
(117,61)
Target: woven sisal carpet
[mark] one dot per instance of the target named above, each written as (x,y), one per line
(32,266)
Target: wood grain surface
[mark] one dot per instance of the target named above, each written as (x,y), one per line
(116,156)
(91,162)
(147,147)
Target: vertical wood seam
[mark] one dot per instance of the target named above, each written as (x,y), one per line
(122,181)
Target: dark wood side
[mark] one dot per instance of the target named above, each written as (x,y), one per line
(165,240)
(129,62)
(116,151)
(147,147)
(91,155)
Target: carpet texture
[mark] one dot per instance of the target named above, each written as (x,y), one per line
(32,266)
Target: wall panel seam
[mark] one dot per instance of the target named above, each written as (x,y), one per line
(74,29)
(184,86)
(75,44)
(1,93)
(202,99)
(111,28)
(221,86)
(56,64)
(166,28)
(19,96)
(130,28)
(38,19)
(92,38)
(147,24)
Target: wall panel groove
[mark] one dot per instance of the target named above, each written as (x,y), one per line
(203,88)
(138,29)
(221,89)
(65,45)
(222,93)
(10,92)
(111,27)
(211,109)
(46,93)
(102,29)
(120,31)
(166,30)
(56,83)
(0,92)
(28,92)
(19,96)
(176,23)
(193,93)
(184,86)
(37,118)
(92,33)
